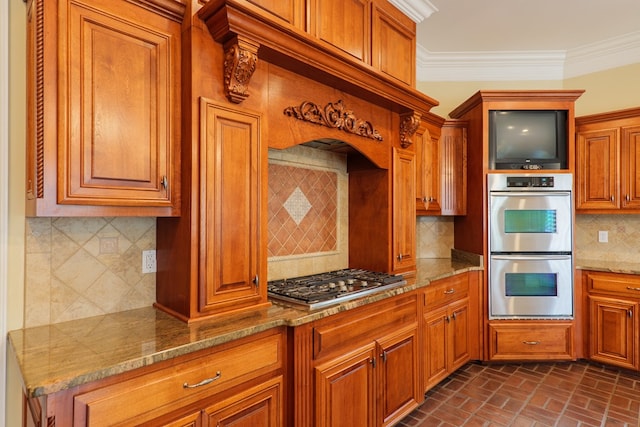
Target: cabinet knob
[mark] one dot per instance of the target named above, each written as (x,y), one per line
(256,280)
(627,198)
(164,182)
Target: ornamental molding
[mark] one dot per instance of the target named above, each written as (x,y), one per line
(240,59)
(334,115)
(408,126)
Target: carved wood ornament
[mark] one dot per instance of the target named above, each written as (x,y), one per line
(333,115)
(408,127)
(240,59)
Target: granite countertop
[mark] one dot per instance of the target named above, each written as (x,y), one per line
(63,355)
(608,266)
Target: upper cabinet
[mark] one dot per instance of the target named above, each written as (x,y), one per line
(607,158)
(103,127)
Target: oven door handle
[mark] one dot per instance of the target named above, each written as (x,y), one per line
(540,193)
(530,257)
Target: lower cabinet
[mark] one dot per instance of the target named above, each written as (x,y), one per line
(362,364)
(446,328)
(239,383)
(613,324)
(531,340)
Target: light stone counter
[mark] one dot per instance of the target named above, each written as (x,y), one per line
(608,266)
(62,355)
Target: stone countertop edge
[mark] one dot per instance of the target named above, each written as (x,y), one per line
(607,266)
(60,356)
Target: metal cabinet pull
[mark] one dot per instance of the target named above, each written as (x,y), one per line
(164,182)
(383,356)
(613,199)
(401,256)
(450,291)
(256,280)
(448,319)
(531,342)
(203,382)
(453,315)
(373,361)
(630,313)
(627,197)
(631,288)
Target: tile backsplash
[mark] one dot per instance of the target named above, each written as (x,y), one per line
(82,267)
(624,237)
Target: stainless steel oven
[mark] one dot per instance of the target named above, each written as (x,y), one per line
(530,246)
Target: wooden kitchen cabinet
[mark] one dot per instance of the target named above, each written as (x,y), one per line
(446,328)
(453,168)
(428,177)
(607,159)
(404,221)
(363,365)
(238,383)
(229,237)
(531,340)
(393,42)
(613,324)
(103,134)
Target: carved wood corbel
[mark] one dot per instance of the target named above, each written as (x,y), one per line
(240,59)
(408,126)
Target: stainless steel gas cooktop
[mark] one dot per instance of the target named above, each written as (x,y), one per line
(325,289)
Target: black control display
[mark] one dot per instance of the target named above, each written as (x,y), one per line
(530,181)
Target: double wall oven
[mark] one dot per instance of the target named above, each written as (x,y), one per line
(530,246)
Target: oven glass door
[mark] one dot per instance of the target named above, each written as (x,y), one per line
(530,286)
(530,222)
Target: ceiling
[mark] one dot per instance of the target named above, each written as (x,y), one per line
(551,38)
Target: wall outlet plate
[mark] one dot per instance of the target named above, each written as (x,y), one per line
(149,261)
(603,236)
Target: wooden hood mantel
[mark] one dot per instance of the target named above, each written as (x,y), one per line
(248,33)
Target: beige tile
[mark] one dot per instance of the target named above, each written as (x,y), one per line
(79,271)
(38,235)
(38,293)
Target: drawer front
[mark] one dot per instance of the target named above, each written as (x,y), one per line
(612,283)
(351,329)
(158,392)
(444,291)
(548,341)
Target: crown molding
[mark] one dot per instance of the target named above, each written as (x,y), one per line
(417,10)
(527,65)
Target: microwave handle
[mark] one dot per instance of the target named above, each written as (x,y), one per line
(530,194)
(531,257)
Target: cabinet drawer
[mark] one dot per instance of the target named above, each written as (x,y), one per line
(531,341)
(444,291)
(152,394)
(350,329)
(614,283)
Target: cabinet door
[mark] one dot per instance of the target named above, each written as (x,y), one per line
(191,420)
(613,328)
(260,406)
(399,385)
(597,170)
(427,174)
(231,164)
(393,42)
(289,11)
(629,163)
(345,390)
(404,220)
(453,166)
(435,346)
(119,124)
(345,24)
(458,337)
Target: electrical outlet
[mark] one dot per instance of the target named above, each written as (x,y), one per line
(603,236)
(149,261)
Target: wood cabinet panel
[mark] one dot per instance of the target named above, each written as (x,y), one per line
(445,291)
(531,340)
(453,168)
(106,140)
(427,170)
(393,46)
(230,181)
(345,390)
(597,170)
(404,221)
(175,387)
(629,168)
(613,329)
(613,284)
(289,11)
(344,24)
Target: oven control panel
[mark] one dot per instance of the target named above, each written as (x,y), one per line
(530,181)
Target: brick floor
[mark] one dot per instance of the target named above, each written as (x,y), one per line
(577,394)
